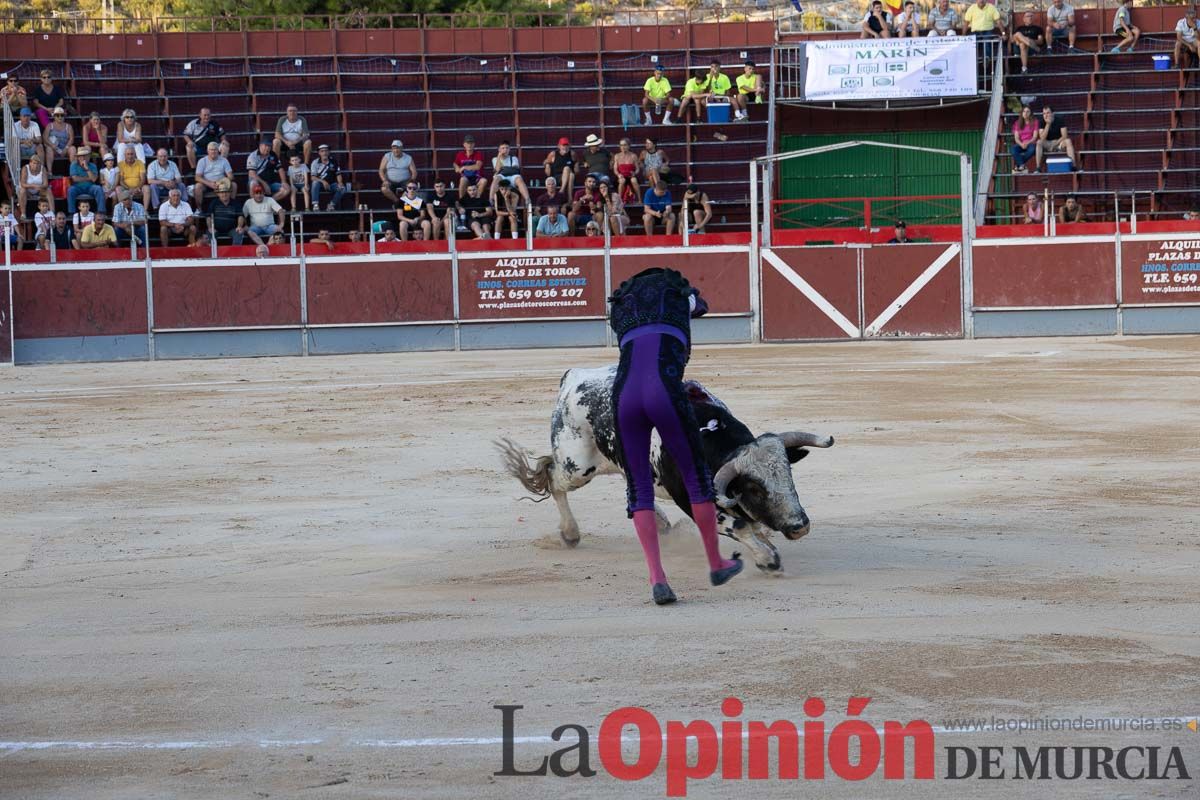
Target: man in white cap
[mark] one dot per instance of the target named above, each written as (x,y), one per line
(598,161)
(396,169)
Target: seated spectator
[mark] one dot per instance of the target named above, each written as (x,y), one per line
(95,135)
(396,169)
(62,235)
(84,216)
(355,236)
(34,186)
(47,98)
(656,165)
(29,136)
(1191,216)
(323,241)
(84,181)
(877,24)
(908,21)
(110,177)
(474,211)
(203,242)
(389,235)
(43,221)
(657,91)
(264,168)
(133,176)
(58,139)
(224,216)
(261,215)
(505,203)
(592,229)
(748,83)
(1025,138)
(1035,212)
(552,197)
(262,251)
(1071,211)
(597,160)
(656,205)
(982,19)
(326,176)
(943,20)
(410,214)
(1123,26)
(1053,138)
(625,161)
(297,174)
(440,208)
(1060,19)
(699,206)
(695,92)
(613,209)
(211,170)
(10,229)
(98,234)
(1186,44)
(129,216)
(1028,37)
(162,175)
(275,238)
(508,173)
(468,165)
(719,85)
(291,133)
(14,95)
(900,233)
(129,134)
(176,217)
(202,131)
(560,166)
(586,204)
(552,224)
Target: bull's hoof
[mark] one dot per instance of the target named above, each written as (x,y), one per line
(662,594)
(570,538)
(772,567)
(724,574)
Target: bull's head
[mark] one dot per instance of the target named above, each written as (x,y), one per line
(756,482)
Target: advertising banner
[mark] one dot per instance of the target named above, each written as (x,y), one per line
(531,285)
(890,69)
(1165,270)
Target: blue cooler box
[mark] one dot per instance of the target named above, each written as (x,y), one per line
(1161,62)
(718,111)
(1058,164)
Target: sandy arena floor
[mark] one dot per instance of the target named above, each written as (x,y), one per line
(308,577)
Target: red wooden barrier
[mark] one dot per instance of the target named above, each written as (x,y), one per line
(789,313)
(380,291)
(225,296)
(1045,274)
(724,278)
(5,320)
(79,302)
(935,309)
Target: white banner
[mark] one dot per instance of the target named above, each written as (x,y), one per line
(890,69)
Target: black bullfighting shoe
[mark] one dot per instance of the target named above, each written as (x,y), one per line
(722,575)
(663,595)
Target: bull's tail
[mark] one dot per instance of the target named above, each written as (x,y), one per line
(534,476)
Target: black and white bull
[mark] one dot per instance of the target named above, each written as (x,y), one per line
(752,474)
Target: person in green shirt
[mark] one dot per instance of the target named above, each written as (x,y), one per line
(658,96)
(748,83)
(718,82)
(695,92)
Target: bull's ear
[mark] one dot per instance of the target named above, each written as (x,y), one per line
(794,454)
(696,392)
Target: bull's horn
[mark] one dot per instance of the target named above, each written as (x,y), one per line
(802,439)
(721,480)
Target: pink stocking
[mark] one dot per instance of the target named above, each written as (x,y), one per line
(647,532)
(705,517)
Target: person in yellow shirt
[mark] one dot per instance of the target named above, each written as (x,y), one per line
(658,95)
(99,233)
(984,20)
(133,175)
(695,92)
(748,83)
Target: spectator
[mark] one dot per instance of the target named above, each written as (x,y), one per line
(1035,212)
(224,216)
(654,162)
(43,221)
(298,177)
(95,135)
(552,224)
(508,173)
(1060,18)
(1028,37)
(614,210)
(1185,40)
(98,234)
(263,167)
(908,21)
(748,83)
(163,175)
(35,185)
(657,94)
(900,233)
(29,136)
(84,180)
(210,170)
(505,203)
(14,94)
(133,176)
(626,163)
(552,197)
(474,211)
(110,176)
(468,165)
(291,132)
(46,98)
(598,161)
(440,208)
(657,205)
(84,216)
(718,82)
(699,205)
(176,217)
(129,216)
(877,24)
(355,236)
(695,91)
(261,216)
(200,132)
(592,229)
(586,204)
(62,235)
(326,176)
(560,165)
(202,242)
(262,251)
(58,139)
(1071,211)
(389,235)
(10,229)
(410,213)
(396,169)
(129,134)
(982,19)
(1053,138)
(1191,216)
(1123,26)
(323,240)
(275,238)
(1025,138)
(943,20)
